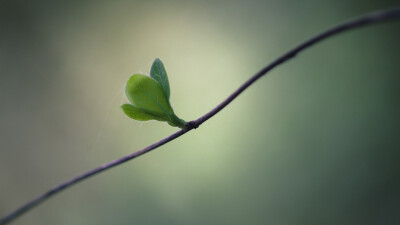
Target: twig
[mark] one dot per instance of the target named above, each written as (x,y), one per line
(373,18)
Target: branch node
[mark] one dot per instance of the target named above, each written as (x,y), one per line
(192,125)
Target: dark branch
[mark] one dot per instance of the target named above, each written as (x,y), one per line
(373,18)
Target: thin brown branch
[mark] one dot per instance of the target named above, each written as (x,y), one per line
(373,18)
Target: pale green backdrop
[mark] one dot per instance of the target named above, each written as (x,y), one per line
(314,142)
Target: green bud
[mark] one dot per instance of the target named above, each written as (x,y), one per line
(149,97)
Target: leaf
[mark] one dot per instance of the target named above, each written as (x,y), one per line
(138,114)
(158,73)
(146,94)
(149,97)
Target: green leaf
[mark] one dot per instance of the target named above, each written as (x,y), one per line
(159,74)
(149,97)
(146,94)
(138,114)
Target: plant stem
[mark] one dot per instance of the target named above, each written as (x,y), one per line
(373,18)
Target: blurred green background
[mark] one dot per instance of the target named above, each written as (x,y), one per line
(314,142)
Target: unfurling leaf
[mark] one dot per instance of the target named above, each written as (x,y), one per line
(145,93)
(158,73)
(149,97)
(138,114)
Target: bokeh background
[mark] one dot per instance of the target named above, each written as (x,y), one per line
(314,142)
